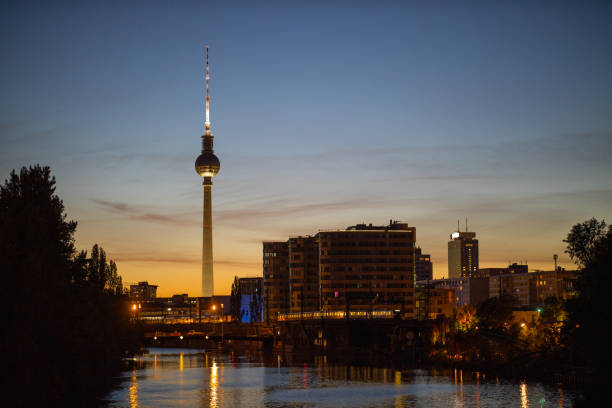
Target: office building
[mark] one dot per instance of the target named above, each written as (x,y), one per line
(250,286)
(515,286)
(470,291)
(432,303)
(532,289)
(143,291)
(546,284)
(368,267)
(304,274)
(423,266)
(275,279)
(462,255)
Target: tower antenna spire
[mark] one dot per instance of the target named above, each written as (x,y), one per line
(207,123)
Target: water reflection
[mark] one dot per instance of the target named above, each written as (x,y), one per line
(191,378)
(524,399)
(214,385)
(133,393)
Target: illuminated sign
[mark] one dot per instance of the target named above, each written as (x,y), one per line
(455,235)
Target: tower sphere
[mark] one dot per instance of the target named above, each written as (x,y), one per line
(207,164)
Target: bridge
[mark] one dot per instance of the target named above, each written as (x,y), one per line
(364,333)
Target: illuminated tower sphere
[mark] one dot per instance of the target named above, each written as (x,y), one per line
(207,166)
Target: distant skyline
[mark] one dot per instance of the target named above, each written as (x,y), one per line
(324,116)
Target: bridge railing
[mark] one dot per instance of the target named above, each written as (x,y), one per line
(336,314)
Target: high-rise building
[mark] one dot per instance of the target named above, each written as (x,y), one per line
(368,267)
(207,166)
(423,266)
(462,255)
(275,279)
(304,274)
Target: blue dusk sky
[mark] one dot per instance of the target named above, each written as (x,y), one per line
(325,114)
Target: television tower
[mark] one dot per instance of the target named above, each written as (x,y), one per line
(207,166)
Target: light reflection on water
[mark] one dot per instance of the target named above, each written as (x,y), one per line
(190,378)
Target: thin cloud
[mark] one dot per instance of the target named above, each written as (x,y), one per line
(134,213)
(183,219)
(288,211)
(114,206)
(156,258)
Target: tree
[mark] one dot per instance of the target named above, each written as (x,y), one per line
(36,240)
(495,313)
(101,274)
(465,317)
(236,300)
(583,238)
(255,307)
(591,311)
(65,336)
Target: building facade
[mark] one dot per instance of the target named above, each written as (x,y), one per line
(423,266)
(432,303)
(368,267)
(275,279)
(462,255)
(250,286)
(304,274)
(468,291)
(515,286)
(143,291)
(545,284)
(529,290)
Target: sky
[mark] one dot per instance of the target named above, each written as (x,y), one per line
(325,115)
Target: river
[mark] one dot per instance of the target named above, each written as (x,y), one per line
(192,378)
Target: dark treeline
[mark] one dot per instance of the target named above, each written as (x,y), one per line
(66,323)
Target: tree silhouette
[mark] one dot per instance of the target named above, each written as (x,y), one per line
(255,307)
(236,300)
(591,311)
(64,334)
(583,239)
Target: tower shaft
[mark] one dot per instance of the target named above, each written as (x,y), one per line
(207,252)
(207,166)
